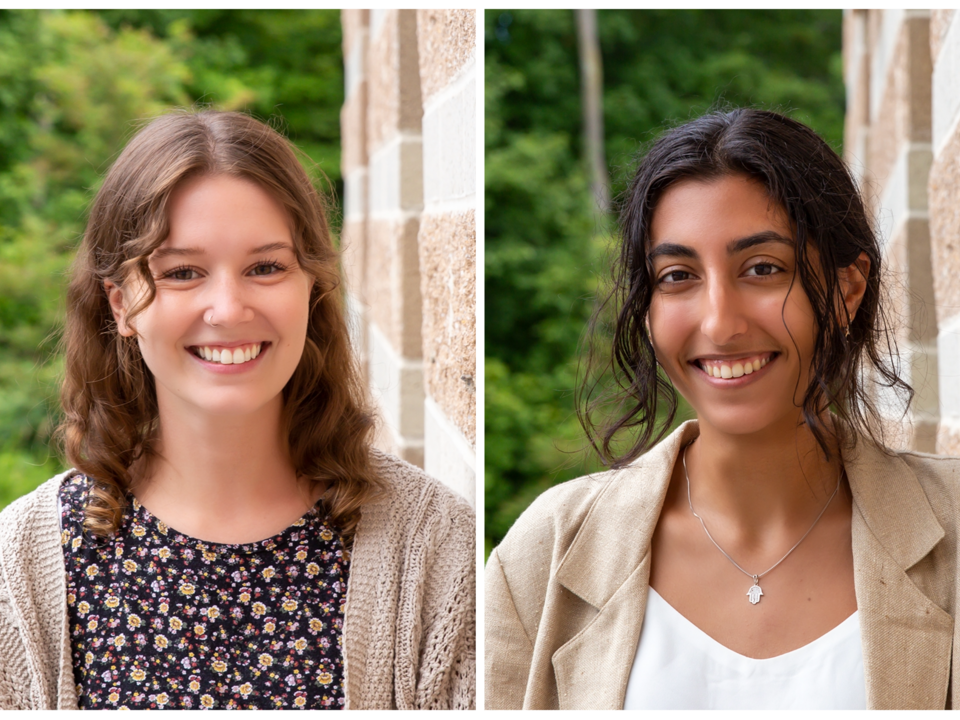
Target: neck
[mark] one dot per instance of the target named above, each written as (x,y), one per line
(775,478)
(222,478)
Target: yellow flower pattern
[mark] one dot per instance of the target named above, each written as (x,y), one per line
(162,620)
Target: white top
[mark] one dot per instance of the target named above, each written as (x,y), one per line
(680,667)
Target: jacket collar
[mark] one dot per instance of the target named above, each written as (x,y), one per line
(615,537)
(906,638)
(894,507)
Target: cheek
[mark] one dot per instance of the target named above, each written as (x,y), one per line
(668,324)
(797,316)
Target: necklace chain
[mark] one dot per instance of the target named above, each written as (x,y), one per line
(756,577)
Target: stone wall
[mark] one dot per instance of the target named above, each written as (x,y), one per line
(409,232)
(902,101)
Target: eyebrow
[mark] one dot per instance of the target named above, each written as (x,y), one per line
(161,253)
(733,247)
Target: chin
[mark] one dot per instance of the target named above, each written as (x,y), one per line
(229,403)
(740,421)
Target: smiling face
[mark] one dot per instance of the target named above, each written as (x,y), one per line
(730,323)
(227,327)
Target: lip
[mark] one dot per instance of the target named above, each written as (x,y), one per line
(732,382)
(221,344)
(221,369)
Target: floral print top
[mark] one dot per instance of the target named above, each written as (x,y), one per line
(162,620)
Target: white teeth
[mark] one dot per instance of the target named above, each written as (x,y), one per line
(718,369)
(236,356)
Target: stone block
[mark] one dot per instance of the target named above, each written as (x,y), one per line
(396,177)
(393,282)
(946,89)
(355,194)
(945,229)
(948,437)
(353,255)
(447,455)
(447,39)
(939,25)
(948,350)
(450,143)
(393,73)
(905,192)
(447,244)
(355,314)
(354,24)
(396,383)
(353,130)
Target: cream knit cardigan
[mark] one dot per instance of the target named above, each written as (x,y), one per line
(409,624)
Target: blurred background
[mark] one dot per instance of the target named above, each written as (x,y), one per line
(74,87)
(383,103)
(570,102)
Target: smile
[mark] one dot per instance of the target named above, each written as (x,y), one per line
(730,368)
(228,356)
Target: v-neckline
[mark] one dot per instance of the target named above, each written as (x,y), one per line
(706,640)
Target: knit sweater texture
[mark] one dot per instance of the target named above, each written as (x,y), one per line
(409,634)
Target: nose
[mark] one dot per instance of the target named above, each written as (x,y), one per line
(227,303)
(723,309)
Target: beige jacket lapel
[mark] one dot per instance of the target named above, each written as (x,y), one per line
(906,638)
(608,566)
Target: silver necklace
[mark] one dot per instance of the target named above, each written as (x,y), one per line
(754,592)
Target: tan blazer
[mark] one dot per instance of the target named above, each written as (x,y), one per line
(567,588)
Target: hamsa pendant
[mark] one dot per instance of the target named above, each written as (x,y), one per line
(754,594)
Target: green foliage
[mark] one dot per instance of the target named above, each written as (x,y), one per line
(74,87)
(545,244)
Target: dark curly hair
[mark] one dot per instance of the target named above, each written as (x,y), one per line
(810,182)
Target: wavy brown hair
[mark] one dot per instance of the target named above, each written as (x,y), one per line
(805,177)
(108,395)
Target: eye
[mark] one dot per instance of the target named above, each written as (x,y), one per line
(673,277)
(181,273)
(763,270)
(267,268)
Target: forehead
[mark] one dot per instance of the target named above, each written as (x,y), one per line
(701,213)
(221,210)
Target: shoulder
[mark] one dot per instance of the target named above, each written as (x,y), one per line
(550,523)
(939,477)
(32,585)
(409,493)
(934,470)
(34,513)
(597,508)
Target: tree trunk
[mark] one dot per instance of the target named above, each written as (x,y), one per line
(591,91)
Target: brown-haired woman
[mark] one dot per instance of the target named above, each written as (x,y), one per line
(772,554)
(228,537)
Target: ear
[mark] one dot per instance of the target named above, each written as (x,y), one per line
(118,306)
(853,283)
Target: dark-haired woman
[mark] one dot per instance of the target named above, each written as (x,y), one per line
(228,537)
(772,553)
